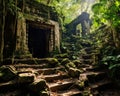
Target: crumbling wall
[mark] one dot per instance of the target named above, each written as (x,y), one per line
(82,19)
(41,10)
(38,13)
(41,16)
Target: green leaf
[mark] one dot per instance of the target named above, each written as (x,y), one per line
(117,3)
(114,66)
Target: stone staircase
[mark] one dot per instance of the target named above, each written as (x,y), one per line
(58,81)
(94,78)
(92,81)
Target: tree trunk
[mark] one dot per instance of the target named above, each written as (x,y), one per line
(2,30)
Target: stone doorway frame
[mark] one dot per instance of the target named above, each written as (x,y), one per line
(22,34)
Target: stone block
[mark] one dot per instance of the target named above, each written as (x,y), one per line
(26,78)
(38,86)
(7,73)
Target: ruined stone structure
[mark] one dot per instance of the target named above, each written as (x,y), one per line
(37,30)
(85,22)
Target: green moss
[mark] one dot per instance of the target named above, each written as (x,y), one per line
(70,64)
(81,85)
(65,61)
(65,55)
(52,62)
(76,62)
(73,72)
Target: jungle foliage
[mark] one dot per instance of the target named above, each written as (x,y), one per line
(106,16)
(105,29)
(69,9)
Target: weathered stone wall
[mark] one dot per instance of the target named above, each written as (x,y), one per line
(41,10)
(41,16)
(34,12)
(82,19)
(54,40)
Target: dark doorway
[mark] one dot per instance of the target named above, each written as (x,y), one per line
(38,41)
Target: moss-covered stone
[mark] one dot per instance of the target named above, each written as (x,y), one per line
(7,73)
(65,55)
(26,77)
(81,85)
(65,61)
(76,62)
(38,86)
(73,72)
(87,93)
(70,64)
(52,62)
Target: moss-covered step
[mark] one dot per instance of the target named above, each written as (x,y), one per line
(87,61)
(61,85)
(35,66)
(47,71)
(54,77)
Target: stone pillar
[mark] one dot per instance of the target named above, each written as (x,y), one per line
(57,37)
(21,41)
(51,41)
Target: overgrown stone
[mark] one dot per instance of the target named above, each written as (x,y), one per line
(26,77)
(87,93)
(70,64)
(81,85)
(7,73)
(65,61)
(38,86)
(73,72)
(77,62)
(65,55)
(52,62)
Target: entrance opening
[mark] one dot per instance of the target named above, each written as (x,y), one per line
(38,41)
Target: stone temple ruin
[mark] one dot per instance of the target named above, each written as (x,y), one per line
(84,20)
(37,31)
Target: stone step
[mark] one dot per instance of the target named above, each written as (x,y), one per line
(54,77)
(87,56)
(92,77)
(7,85)
(43,71)
(34,66)
(87,68)
(70,92)
(26,61)
(97,77)
(84,65)
(87,61)
(110,92)
(91,68)
(47,71)
(101,85)
(61,85)
(52,62)
(11,86)
(21,92)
